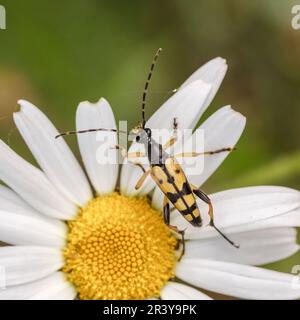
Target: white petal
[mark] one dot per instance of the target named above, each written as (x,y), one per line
(157,199)
(256,247)
(178,291)
(212,72)
(20,224)
(29,263)
(53,287)
(34,229)
(222,129)
(130,174)
(91,116)
(187,106)
(238,280)
(242,206)
(11,202)
(32,185)
(58,289)
(53,155)
(290,219)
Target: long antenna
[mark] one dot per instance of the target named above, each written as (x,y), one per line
(147,85)
(67,133)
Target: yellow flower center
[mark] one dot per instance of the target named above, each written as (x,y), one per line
(119,248)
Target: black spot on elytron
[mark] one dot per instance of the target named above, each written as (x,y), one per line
(161,181)
(171,179)
(177,171)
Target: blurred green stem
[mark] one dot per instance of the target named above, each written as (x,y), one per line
(282,168)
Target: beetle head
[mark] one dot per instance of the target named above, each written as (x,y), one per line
(141,135)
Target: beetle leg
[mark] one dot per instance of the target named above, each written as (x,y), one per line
(204,197)
(126,154)
(123,150)
(139,165)
(174,138)
(175,125)
(166,214)
(206,153)
(142,178)
(136,154)
(170,143)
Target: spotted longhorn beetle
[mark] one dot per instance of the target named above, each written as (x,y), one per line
(166,171)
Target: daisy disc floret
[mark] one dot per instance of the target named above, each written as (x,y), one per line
(119,248)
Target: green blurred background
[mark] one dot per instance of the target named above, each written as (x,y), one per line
(58,53)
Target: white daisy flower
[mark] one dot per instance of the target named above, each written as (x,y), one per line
(67,242)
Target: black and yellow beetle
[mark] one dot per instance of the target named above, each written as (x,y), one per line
(167,172)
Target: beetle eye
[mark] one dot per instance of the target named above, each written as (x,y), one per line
(137,138)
